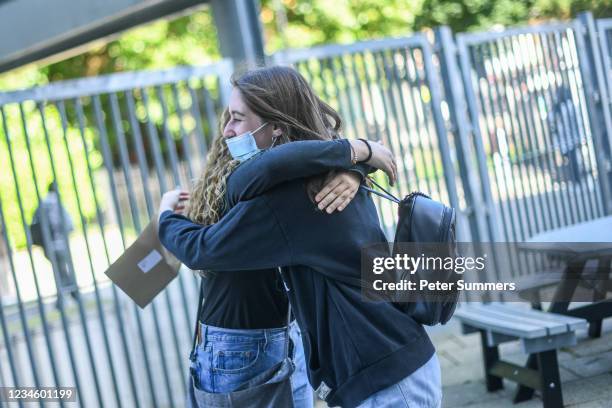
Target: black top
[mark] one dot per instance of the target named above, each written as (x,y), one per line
(257,299)
(244,300)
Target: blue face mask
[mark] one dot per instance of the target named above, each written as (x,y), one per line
(243,147)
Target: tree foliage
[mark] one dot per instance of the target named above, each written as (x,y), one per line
(473,15)
(192,39)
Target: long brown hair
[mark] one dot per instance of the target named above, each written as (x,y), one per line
(281,97)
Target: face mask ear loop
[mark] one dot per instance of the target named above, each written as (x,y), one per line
(259,128)
(276,139)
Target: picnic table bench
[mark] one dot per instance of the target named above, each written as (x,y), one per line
(540,334)
(530,287)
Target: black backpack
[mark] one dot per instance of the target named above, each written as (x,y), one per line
(36,232)
(423,220)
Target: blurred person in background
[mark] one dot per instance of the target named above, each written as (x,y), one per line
(51,217)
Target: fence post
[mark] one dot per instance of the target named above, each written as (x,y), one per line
(461,129)
(597,100)
(436,102)
(239,30)
(604,31)
(224,71)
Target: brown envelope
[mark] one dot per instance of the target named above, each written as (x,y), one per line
(145,268)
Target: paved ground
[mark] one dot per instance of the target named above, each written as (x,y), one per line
(586,371)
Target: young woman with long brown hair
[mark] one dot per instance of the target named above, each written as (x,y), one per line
(242,324)
(358,353)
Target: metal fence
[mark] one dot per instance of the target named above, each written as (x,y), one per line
(511,128)
(604,28)
(534,124)
(529,93)
(388,90)
(111,143)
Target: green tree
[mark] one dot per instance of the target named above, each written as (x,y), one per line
(474,15)
(462,15)
(312,22)
(192,39)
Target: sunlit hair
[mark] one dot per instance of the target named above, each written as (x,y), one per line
(281,97)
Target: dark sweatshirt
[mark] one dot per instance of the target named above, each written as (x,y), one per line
(353,347)
(257,299)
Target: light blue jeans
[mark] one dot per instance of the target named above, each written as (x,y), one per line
(226,358)
(303,396)
(421,389)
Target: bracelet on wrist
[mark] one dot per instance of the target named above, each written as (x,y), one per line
(369,151)
(353,154)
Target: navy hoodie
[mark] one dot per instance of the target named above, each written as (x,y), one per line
(353,347)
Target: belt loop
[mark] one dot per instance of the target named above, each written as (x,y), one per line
(204,335)
(198,340)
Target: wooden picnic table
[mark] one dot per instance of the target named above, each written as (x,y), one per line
(577,244)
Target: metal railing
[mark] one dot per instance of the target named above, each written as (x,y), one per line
(533,123)
(111,144)
(527,102)
(512,128)
(604,28)
(388,90)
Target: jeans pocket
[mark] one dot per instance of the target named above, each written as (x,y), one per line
(231,368)
(235,360)
(228,360)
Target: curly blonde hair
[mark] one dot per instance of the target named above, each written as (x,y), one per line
(207,202)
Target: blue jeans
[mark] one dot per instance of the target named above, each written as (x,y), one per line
(421,389)
(303,396)
(226,358)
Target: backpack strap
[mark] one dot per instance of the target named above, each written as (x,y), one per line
(386,194)
(289,348)
(197,321)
